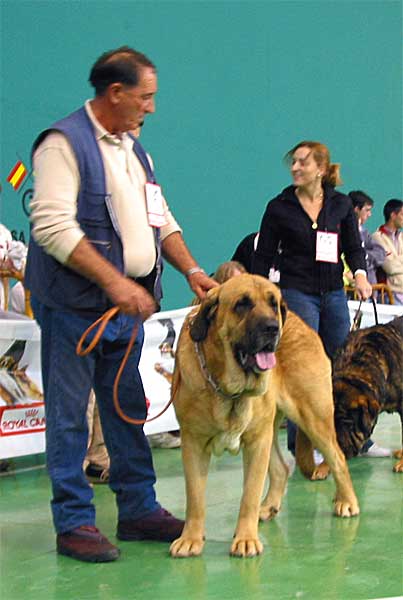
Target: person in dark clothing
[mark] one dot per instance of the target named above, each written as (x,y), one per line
(314,224)
(374,253)
(245,250)
(244,255)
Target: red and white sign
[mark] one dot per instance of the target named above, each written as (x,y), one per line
(17,420)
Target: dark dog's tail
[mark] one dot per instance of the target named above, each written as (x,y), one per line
(304,454)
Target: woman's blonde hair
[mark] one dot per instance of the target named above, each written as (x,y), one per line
(227,270)
(321,155)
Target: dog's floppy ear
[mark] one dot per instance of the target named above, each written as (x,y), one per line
(199,327)
(283,310)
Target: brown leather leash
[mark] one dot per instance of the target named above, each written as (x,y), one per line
(101,323)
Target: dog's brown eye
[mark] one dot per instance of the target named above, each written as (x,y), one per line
(243,304)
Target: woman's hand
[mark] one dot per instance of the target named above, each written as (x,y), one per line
(362,286)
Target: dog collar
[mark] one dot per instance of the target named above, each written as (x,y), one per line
(207,375)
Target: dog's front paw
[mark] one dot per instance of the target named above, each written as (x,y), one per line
(248,548)
(185,547)
(346,508)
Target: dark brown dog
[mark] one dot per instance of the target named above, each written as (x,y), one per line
(367,380)
(242,362)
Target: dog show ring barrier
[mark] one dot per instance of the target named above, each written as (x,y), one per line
(22,413)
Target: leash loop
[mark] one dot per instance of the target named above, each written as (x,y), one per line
(101,323)
(357,317)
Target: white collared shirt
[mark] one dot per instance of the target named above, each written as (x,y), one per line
(57,182)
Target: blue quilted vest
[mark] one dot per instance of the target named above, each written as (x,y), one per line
(54,284)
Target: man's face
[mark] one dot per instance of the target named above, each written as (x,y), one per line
(363,213)
(397,219)
(135,102)
(304,169)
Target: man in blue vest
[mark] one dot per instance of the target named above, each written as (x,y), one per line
(100,225)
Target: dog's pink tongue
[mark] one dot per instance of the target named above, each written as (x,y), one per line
(265,360)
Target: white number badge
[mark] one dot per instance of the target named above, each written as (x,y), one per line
(327,247)
(155,205)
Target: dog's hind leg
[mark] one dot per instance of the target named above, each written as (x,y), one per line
(323,436)
(398,467)
(278,475)
(345,502)
(305,460)
(304,454)
(196,460)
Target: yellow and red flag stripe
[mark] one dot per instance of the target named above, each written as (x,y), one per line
(17,175)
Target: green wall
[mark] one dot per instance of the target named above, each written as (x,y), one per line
(240,83)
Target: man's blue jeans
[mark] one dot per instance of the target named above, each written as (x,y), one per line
(67,381)
(328,315)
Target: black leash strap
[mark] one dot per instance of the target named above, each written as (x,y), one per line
(357,317)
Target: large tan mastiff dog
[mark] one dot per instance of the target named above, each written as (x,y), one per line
(239,354)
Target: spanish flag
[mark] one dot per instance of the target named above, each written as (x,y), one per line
(17,175)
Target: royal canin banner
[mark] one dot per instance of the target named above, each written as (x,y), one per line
(20,420)
(22,411)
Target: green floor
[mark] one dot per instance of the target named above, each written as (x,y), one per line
(309,554)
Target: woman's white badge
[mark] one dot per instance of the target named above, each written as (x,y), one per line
(327,247)
(155,205)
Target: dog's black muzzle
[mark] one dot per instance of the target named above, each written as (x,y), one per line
(255,351)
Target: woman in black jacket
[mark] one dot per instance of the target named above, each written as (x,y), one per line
(311,224)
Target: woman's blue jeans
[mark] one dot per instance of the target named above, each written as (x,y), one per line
(328,315)
(67,381)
